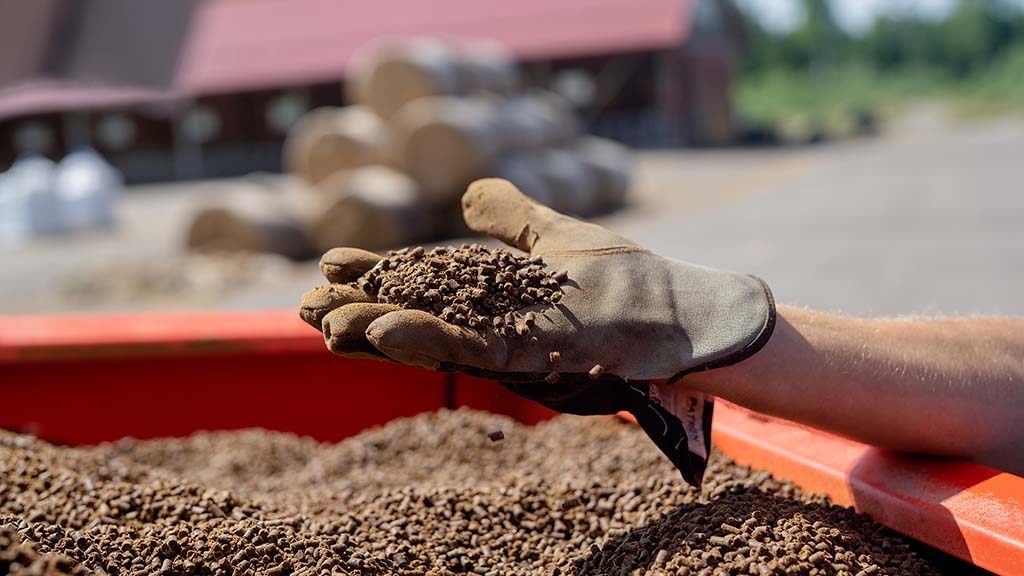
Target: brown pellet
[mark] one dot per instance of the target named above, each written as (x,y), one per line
(465,280)
(496,436)
(421,495)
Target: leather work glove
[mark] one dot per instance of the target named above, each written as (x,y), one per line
(629,324)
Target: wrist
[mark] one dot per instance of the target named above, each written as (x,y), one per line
(735,382)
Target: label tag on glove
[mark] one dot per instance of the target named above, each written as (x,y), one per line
(678,421)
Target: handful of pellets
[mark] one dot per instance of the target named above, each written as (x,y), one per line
(466,286)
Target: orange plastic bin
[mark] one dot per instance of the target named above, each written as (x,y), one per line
(86,379)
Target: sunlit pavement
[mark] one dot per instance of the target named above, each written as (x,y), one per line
(926,219)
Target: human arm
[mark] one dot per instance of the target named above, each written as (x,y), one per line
(949,387)
(625,316)
(942,386)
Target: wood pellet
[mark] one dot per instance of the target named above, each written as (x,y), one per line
(467,286)
(425,495)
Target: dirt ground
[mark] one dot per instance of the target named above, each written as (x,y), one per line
(924,219)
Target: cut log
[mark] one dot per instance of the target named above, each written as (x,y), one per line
(487,67)
(386,76)
(611,165)
(537,120)
(372,207)
(327,140)
(445,143)
(523,170)
(573,186)
(251,218)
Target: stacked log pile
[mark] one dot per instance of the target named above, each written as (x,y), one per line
(427,118)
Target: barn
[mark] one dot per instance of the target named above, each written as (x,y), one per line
(208,88)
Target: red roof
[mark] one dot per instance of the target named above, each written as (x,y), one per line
(244,44)
(237,45)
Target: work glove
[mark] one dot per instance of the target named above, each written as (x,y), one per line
(628,326)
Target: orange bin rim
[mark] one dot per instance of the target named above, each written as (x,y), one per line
(43,338)
(964,509)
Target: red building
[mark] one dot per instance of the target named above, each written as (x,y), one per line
(206,88)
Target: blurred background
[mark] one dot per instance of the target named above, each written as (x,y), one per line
(861,156)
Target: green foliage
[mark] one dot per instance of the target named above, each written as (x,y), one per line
(816,74)
(826,102)
(966,40)
(998,88)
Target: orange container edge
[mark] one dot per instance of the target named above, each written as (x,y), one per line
(89,378)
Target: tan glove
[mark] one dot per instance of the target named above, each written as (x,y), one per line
(626,316)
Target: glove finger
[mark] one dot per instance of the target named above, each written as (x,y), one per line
(321,300)
(421,339)
(345,329)
(341,265)
(497,208)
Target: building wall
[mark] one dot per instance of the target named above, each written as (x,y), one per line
(26,33)
(215,136)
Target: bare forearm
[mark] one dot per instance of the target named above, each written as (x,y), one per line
(938,386)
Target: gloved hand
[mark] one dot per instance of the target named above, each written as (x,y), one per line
(627,317)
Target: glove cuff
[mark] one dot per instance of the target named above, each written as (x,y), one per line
(752,347)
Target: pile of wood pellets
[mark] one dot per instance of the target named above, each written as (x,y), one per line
(466,286)
(429,495)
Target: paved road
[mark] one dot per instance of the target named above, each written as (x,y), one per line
(927,219)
